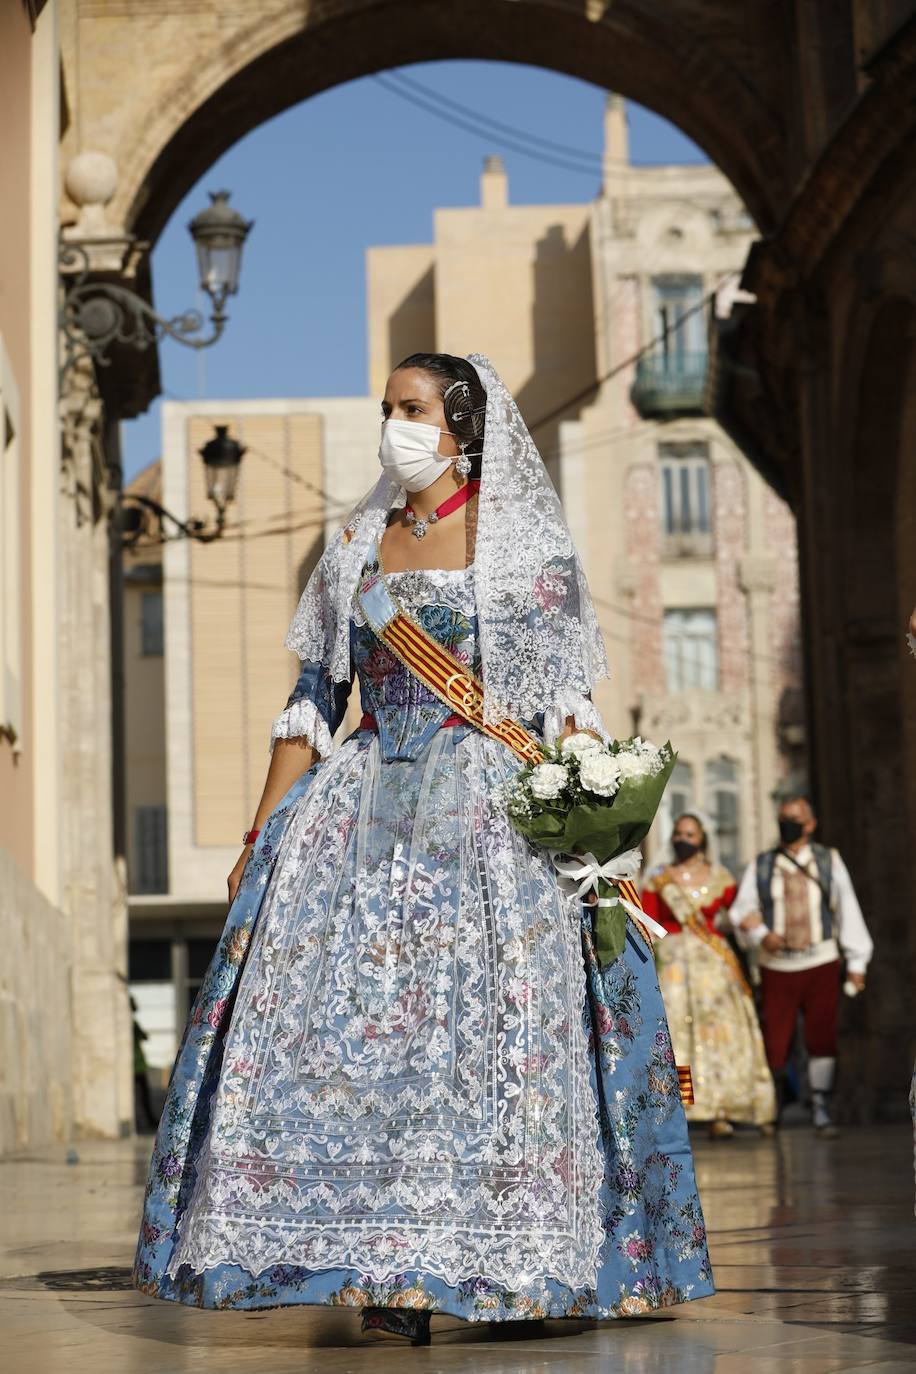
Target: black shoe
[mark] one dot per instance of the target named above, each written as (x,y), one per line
(517,1328)
(403,1323)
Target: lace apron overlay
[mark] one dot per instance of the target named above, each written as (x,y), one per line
(405,1081)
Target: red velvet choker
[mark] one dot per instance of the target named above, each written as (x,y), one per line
(451,503)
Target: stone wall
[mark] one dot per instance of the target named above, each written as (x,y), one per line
(35,1015)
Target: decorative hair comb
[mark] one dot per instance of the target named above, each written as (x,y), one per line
(465,394)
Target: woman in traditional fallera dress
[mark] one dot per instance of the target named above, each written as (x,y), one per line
(710,1007)
(405,1085)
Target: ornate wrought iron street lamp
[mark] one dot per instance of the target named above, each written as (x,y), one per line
(100,315)
(97,314)
(219,234)
(141,518)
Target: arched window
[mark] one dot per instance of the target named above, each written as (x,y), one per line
(722,797)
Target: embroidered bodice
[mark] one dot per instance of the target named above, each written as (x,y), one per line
(408,714)
(676,906)
(443,602)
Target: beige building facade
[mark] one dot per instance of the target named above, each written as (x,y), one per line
(63,1009)
(35,933)
(686,549)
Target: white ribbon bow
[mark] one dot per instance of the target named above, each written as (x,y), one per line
(587,872)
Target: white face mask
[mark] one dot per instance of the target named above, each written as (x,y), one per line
(409,453)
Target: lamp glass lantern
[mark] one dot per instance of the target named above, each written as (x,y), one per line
(219,233)
(222,457)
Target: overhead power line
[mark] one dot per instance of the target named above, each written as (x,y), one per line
(470,124)
(593,161)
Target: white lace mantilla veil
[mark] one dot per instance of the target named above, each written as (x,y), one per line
(541,646)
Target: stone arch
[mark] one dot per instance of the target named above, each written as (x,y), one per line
(234,75)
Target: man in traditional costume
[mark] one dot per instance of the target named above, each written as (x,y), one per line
(797,905)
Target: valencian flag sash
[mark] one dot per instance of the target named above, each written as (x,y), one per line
(446,676)
(453,683)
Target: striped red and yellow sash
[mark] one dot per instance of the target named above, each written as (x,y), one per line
(452,682)
(685,1084)
(444,674)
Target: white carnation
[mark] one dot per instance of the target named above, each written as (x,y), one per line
(578,744)
(599,772)
(548,780)
(633,765)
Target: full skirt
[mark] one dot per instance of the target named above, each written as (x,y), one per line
(405,1081)
(714,1029)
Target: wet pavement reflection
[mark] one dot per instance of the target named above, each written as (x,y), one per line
(813,1245)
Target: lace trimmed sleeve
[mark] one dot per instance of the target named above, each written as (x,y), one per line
(572,703)
(315,709)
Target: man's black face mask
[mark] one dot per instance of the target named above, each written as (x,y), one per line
(789,830)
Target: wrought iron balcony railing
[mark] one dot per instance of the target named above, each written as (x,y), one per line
(669,384)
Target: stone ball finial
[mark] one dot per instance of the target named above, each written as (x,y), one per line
(91,179)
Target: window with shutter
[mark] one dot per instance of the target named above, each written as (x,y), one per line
(691,650)
(150,850)
(722,793)
(151,627)
(686,504)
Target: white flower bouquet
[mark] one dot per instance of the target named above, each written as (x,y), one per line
(597,801)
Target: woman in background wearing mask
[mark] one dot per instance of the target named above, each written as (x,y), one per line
(406,1085)
(709,1004)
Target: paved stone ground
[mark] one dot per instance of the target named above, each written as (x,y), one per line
(813,1242)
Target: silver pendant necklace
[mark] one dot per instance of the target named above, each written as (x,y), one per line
(419,526)
(453,502)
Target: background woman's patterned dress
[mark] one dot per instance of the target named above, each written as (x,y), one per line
(405,1082)
(710,1007)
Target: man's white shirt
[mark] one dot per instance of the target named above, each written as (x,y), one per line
(850,937)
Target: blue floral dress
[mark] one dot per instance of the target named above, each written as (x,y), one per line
(405,1081)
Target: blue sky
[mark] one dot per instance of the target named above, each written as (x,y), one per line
(355,166)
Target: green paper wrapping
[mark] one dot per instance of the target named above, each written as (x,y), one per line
(603,827)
